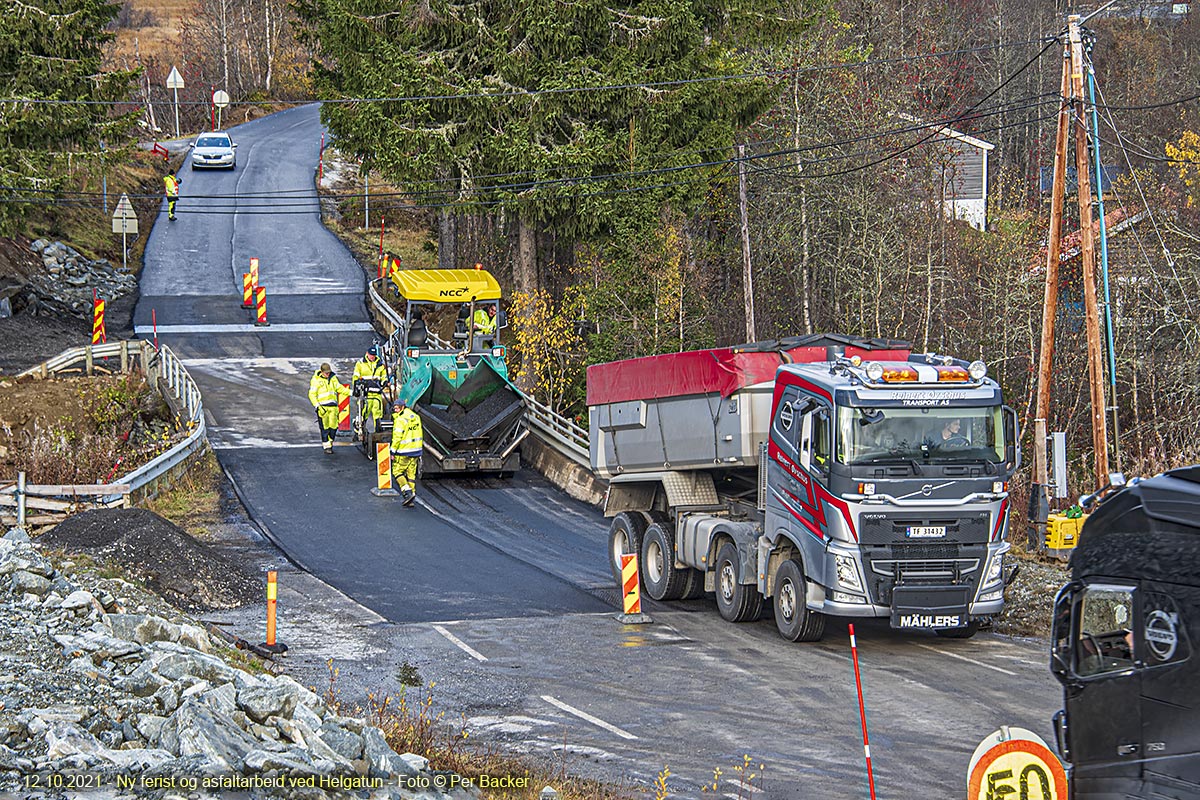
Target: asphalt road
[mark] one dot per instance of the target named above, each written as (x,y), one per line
(498,591)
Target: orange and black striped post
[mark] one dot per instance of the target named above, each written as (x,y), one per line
(631,592)
(260,305)
(98,333)
(383,471)
(247,290)
(272,591)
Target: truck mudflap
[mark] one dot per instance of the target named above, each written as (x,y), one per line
(930,607)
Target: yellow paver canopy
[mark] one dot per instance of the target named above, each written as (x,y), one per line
(446,285)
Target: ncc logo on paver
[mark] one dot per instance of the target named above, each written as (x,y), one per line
(453,292)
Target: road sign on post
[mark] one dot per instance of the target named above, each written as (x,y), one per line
(124,222)
(175,83)
(220,100)
(1013,757)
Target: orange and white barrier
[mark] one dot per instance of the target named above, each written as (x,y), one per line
(383,471)
(98,333)
(631,591)
(344,408)
(260,306)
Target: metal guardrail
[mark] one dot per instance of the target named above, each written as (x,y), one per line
(163,370)
(550,427)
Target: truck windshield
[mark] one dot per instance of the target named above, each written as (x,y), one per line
(927,435)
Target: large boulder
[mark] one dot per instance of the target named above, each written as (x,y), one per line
(142,628)
(197,730)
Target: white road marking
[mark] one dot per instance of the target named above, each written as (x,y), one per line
(285,327)
(586,717)
(964,658)
(460,644)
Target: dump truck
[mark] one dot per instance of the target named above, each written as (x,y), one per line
(827,474)
(1121,644)
(473,416)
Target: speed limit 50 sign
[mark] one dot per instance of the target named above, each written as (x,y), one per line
(1015,764)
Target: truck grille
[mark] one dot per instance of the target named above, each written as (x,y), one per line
(922,569)
(877,529)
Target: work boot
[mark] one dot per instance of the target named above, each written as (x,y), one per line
(328,448)
(407,496)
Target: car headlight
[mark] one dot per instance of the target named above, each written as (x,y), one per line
(994,571)
(842,597)
(994,594)
(847,572)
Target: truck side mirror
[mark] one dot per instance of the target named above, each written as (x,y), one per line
(1012,436)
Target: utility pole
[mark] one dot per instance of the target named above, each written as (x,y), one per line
(1087,255)
(1039,495)
(747,273)
(1071,114)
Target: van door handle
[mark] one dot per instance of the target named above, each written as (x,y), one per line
(1127,749)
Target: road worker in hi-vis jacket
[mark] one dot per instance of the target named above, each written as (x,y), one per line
(407,441)
(369,380)
(324,392)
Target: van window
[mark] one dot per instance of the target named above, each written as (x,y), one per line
(1105,640)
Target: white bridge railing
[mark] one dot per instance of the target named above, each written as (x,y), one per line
(163,371)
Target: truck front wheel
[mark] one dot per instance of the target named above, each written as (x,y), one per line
(661,579)
(624,538)
(795,621)
(737,602)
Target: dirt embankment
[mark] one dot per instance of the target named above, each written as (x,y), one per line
(81,430)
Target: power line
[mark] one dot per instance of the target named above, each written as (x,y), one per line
(777,73)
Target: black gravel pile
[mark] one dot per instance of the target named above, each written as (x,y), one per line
(479,420)
(188,573)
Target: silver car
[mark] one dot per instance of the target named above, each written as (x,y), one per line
(214,149)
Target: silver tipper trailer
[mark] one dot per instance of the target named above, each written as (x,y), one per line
(833,475)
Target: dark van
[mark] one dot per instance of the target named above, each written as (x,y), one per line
(1125,629)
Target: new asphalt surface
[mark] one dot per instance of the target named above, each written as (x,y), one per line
(498,591)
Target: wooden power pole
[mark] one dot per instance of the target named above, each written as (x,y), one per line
(1071,114)
(747,273)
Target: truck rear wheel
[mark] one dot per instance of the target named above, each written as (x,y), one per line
(660,578)
(624,538)
(795,621)
(737,602)
(693,587)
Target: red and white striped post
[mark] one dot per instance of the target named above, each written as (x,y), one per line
(321,160)
(154,323)
(862,713)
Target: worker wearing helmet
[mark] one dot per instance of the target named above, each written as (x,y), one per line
(171,184)
(367,384)
(407,441)
(484,322)
(324,391)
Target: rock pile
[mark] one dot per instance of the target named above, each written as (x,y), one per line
(65,288)
(99,698)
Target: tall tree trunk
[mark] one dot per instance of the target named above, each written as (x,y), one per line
(526,274)
(447,239)
(269,36)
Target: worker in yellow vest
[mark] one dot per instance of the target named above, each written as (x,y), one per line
(407,441)
(324,391)
(172,183)
(368,382)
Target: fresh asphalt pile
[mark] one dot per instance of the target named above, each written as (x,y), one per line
(188,573)
(95,699)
